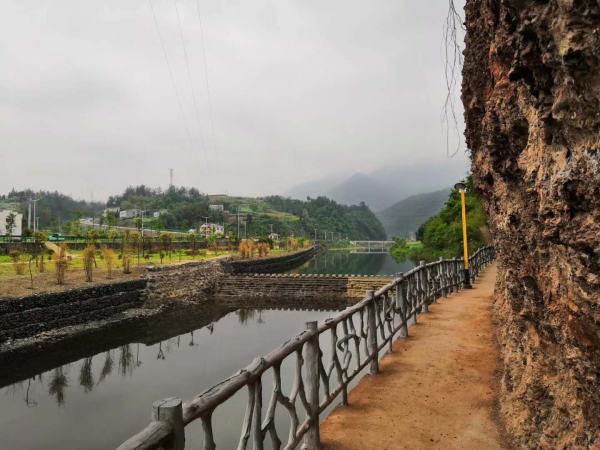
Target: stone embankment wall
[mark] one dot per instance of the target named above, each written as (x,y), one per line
(273,264)
(26,316)
(271,290)
(194,281)
(191,282)
(531,91)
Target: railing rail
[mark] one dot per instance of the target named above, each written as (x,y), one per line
(370,325)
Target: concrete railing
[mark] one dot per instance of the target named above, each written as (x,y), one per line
(358,333)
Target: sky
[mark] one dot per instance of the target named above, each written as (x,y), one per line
(298,90)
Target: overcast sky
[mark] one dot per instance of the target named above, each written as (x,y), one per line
(300,89)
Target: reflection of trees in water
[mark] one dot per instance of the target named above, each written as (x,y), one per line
(125,360)
(138,363)
(58,384)
(29,400)
(86,377)
(246,315)
(160,355)
(107,367)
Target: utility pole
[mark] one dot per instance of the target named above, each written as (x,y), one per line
(315,234)
(245,231)
(238,221)
(271,228)
(34,225)
(206,225)
(171,176)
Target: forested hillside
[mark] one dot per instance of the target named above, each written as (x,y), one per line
(52,208)
(442,235)
(402,219)
(323,214)
(183,209)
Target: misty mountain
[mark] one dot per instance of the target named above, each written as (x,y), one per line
(405,217)
(385,186)
(362,188)
(315,188)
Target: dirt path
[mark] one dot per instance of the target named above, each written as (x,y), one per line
(436,391)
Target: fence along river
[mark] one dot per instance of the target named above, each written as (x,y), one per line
(357,338)
(74,396)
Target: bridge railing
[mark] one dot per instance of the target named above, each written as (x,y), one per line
(358,335)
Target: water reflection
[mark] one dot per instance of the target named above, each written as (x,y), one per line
(58,383)
(75,403)
(355,263)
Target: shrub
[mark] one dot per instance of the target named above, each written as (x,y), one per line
(243,250)
(42,265)
(89,257)
(251,247)
(306,244)
(110,258)
(263,249)
(17,262)
(61,263)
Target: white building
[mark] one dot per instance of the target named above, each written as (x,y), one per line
(216,207)
(157,214)
(212,228)
(129,213)
(112,210)
(17,230)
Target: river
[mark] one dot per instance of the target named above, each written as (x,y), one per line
(98,401)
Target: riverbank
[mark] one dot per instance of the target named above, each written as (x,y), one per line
(437,390)
(192,283)
(12,285)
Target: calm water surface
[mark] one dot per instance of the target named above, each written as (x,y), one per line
(99,401)
(357,263)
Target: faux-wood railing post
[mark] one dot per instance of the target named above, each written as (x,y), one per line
(170,410)
(455,280)
(442,277)
(372,334)
(424,287)
(312,439)
(402,306)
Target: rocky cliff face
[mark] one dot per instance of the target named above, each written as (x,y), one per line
(531,92)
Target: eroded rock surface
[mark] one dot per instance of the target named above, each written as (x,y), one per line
(531,91)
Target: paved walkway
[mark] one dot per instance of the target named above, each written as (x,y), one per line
(436,391)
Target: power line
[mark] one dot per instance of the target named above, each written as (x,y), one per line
(174,85)
(212,124)
(191,84)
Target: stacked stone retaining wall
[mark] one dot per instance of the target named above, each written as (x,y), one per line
(26,316)
(255,290)
(273,264)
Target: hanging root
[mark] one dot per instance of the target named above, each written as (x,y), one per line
(453,62)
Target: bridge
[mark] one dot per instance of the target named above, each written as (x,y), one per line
(382,246)
(358,335)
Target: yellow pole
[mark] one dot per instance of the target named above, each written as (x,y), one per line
(464,223)
(467,282)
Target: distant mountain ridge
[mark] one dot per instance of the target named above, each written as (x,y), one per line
(404,218)
(386,186)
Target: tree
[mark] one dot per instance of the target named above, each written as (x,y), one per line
(213,242)
(111,219)
(193,239)
(138,223)
(11,223)
(39,239)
